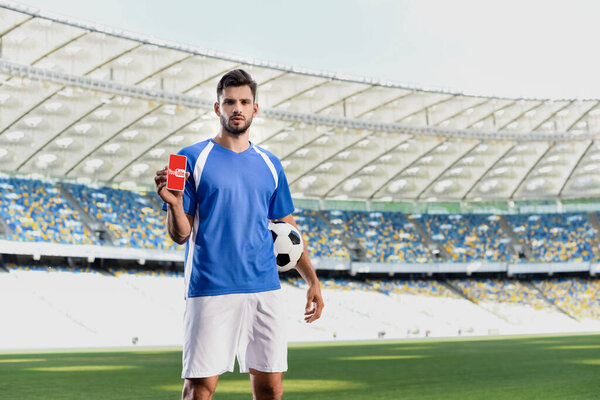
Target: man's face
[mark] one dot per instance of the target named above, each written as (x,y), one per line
(236,108)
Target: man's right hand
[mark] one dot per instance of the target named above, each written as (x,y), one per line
(172,197)
(179,224)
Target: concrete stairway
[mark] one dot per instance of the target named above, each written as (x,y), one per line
(98,228)
(460,293)
(4,228)
(433,245)
(521,250)
(593,218)
(356,250)
(548,301)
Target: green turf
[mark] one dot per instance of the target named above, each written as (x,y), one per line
(535,367)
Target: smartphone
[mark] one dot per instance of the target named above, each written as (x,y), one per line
(176,175)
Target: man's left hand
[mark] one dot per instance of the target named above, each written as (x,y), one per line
(314,303)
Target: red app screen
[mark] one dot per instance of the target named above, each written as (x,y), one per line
(176,176)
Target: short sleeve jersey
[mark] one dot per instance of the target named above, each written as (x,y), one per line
(232,196)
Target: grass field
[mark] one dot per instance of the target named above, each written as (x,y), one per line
(534,367)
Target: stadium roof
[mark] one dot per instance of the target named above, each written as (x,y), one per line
(81,101)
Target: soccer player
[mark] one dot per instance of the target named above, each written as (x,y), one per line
(234,304)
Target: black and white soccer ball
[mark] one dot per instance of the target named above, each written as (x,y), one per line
(287,245)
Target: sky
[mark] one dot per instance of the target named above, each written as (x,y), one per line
(507,48)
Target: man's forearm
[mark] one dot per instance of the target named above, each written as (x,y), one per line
(314,299)
(178,225)
(304,267)
(314,304)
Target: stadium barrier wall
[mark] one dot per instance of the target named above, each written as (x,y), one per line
(549,268)
(475,267)
(427,268)
(90,252)
(332,264)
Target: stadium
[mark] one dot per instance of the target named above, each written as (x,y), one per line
(456,236)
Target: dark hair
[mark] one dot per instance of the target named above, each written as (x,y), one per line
(235,78)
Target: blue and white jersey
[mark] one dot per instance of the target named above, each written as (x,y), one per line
(232,196)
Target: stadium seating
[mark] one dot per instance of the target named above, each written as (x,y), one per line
(500,291)
(131,218)
(82,307)
(35,211)
(578,297)
(521,305)
(409,286)
(146,307)
(339,284)
(417,287)
(557,237)
(470,237)
(386,237)
(321,240)
(409,308)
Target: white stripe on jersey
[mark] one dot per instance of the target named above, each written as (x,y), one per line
(269,164)
(199,167)
(189,261)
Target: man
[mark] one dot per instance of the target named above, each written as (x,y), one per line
(233,296)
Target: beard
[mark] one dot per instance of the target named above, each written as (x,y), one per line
(233,130)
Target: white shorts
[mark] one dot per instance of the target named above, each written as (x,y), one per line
(250,326)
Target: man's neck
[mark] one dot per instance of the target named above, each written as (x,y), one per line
(235,143)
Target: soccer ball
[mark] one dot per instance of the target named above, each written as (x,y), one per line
(287,245)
